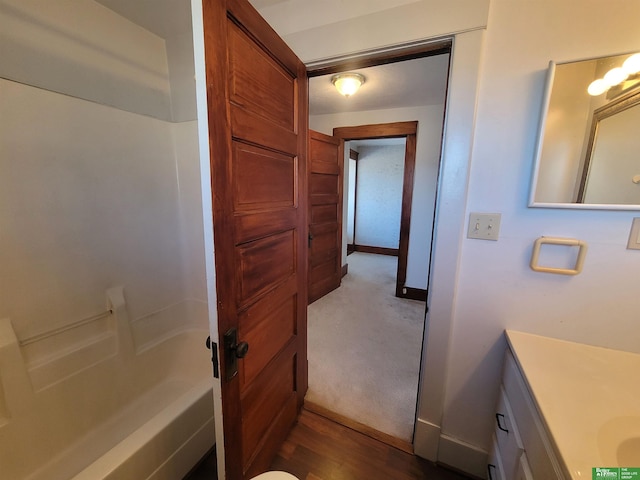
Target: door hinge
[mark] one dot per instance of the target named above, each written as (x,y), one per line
(213,346)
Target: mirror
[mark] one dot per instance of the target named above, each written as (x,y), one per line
(587,146)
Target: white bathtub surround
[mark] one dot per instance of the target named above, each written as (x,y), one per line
(587,397)
(99,192)
(145,414)
(118,307)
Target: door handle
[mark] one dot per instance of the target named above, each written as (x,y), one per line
(310,238)
(498,417)
(232,352)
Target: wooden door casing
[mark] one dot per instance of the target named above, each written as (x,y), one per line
(408,130)
(258,114)
(325,213)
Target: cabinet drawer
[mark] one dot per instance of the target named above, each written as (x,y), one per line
(509,442)
(495,469)
(537,446)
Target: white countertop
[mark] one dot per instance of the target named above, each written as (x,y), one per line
(588,398)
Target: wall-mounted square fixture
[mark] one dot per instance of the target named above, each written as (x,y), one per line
(563,242)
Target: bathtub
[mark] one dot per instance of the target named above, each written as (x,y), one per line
(103,404)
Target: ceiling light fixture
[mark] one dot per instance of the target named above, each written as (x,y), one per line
(615,76)
(347,83)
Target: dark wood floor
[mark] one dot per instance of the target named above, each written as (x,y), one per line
(320,449)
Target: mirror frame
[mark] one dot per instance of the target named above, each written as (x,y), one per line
(617,105)
(610,110)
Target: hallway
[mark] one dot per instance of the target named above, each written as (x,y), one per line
(364,348)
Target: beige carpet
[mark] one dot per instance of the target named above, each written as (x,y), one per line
(364,348)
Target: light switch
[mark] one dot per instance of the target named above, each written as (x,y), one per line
(634,235)
(485,226)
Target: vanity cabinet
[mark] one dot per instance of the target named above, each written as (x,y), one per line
(521,448)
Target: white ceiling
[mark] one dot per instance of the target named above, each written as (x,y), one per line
(405,84)
(410,83)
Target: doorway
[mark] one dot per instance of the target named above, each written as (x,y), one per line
(429,115)
(379,209)
(399,130)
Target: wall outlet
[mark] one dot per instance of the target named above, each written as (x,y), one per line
(485,226)
(634,235)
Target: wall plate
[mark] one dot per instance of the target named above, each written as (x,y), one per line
(485,226)
(634,235)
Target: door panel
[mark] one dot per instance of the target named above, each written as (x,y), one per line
(322,270)
(325,214)
(265,263)
(272,396)
(251,227)
(253,165)
(273,330)
(258,83)
(257,98)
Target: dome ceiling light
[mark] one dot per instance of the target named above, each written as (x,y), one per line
(347,83)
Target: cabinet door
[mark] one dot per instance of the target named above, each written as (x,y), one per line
(507,435)
(537,446)
(495,470)
(523,472)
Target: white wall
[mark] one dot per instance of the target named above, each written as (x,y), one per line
(181,75)
(496,289)
(425,180)
(379,195)
(350,183)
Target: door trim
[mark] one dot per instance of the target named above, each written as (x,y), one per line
(408,130)
(378,57)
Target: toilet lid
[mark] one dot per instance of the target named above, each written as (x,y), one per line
(275,476)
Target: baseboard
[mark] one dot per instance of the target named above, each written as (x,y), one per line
(413,294)
(426,440)
(345,269)
(430,443)
(393,252)
(462,456)
(359,427)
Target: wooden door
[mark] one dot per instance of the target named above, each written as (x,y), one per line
(325,213)
(258,117)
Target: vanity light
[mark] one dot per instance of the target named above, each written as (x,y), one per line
(632,64)
(598,87)
(615,76)
(347,83)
